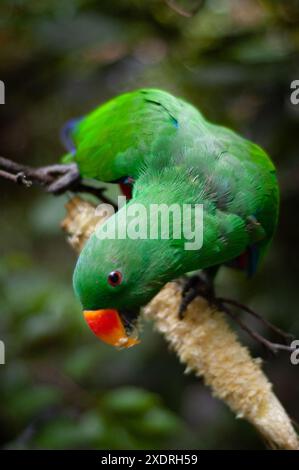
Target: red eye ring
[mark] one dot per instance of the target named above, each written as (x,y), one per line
(115,278)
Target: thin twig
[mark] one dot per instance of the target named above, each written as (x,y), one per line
(43,176)
(181,11)
(275,329)
(198,286)
(272,347)
(19,178)
(56,179)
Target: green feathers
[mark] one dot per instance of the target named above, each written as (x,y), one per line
(174,156)
(116,138)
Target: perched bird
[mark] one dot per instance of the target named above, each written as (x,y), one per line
(170,154)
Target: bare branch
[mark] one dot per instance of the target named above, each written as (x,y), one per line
(286,336)
(272,347)
(56,179)
(181,11)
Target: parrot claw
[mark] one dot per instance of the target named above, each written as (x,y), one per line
(65,182)
(203,286)
(198,285)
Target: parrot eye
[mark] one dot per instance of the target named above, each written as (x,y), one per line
(115,278)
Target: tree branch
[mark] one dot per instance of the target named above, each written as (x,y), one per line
(56,179)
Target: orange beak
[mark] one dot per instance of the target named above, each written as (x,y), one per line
(107,325)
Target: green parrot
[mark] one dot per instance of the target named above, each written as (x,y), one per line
(169,154)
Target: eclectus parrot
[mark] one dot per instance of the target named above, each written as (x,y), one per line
(168,153)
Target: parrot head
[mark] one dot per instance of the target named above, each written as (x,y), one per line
(104,281)
(113,279)
(118,272)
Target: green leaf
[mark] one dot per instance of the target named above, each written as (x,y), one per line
(129,401)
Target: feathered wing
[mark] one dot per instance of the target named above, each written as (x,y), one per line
(115,139)
(236,183)
(147,132)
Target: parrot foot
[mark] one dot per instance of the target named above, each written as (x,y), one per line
(70,180)
(283,334)
(55,179)
(203,286)
(65,181)
(270,346)
(198,285)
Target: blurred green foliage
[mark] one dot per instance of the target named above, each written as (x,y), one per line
(61,388)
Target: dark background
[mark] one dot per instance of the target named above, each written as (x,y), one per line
(235,60)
